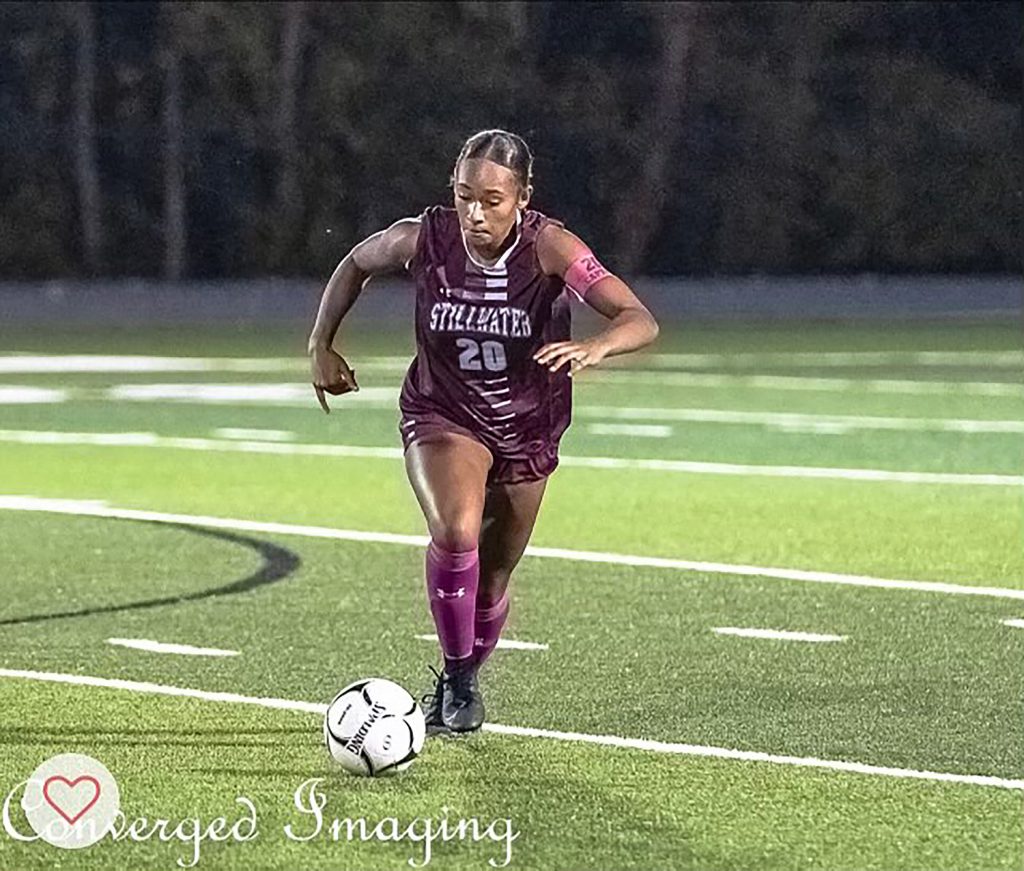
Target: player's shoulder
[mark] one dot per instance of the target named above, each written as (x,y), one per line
(439,215)
(401,240)
(436,233)
(440,223)
(558,247)
(406,228)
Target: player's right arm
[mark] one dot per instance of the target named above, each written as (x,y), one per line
(387,251)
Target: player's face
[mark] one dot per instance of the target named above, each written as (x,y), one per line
(486,198)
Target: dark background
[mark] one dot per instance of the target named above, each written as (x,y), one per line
(234,140)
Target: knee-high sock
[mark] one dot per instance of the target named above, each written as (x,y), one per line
(489,622)
(452,580)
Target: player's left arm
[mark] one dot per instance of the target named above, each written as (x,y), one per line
(631,325)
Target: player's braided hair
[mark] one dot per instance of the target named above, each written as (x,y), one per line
(504,148)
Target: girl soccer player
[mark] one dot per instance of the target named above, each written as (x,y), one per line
(488,394)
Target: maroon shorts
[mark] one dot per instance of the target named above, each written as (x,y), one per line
(425,425)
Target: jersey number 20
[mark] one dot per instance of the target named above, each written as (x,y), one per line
(472,352)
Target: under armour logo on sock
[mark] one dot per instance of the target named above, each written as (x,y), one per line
(458,594)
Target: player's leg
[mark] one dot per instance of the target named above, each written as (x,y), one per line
(510,512)
(448,473)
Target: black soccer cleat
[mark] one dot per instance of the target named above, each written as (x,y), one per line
(462,705)
(432,705)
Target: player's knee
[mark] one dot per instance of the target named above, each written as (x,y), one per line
(456,534)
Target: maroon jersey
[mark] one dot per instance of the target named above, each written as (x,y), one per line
(477,328)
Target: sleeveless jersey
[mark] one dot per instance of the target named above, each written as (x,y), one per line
(477,328)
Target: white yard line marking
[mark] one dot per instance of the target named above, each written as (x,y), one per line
(649,431)
(1014,623)
(15,395)
(151,440)
(783,419)
(27,362)
(551,734)
(383,398)
(503,643)
(92,508)
(38,364)
(696,467)
(92,439)
(162,647)
(288,393)
(755,756)
(163,690)
(776,634)
(799,382)
(264,435)
(821,472)
(836,358)
(816,428)
(771,572)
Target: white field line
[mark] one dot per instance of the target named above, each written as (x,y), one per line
(151,440)
(162,690)
(94,508)
(385,397)
(162,647)
(800,382)
(816,428)
(776,634)
(697,750)
(503,643)
(108,364)
(262,435)
(12,394)
(287,393)
(19,361)
(836,358)
(39,364)
(1014,623)
(641,430)
(790,419)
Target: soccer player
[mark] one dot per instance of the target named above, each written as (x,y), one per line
(487,397)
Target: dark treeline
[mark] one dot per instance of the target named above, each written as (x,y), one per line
(216,139)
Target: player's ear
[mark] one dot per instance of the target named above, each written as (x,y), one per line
(524,196)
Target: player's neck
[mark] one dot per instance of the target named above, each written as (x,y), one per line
(491,256)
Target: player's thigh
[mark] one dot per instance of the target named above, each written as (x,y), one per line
(510,512)
(448,474)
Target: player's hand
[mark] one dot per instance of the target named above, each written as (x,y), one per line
(331,374)
(578,355)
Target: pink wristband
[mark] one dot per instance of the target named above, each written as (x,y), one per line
(583,273)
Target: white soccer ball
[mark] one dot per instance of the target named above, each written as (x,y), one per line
(374,727)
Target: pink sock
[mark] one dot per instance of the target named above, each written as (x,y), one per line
(488,623)
(452,579)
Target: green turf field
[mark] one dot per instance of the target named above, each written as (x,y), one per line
(852,481)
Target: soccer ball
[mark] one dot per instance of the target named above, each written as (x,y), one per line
(374,727)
